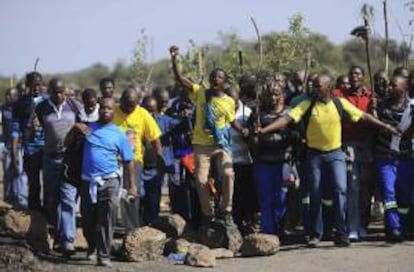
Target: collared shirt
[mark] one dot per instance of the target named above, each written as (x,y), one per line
(324,128)
(223,108)
(142,124)
(361,132)
(56,122)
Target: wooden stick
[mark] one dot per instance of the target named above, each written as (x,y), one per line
(36,63)
(386,36)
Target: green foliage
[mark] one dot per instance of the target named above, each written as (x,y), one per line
(139,68)
(284,51)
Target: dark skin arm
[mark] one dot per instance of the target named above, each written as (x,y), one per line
(157,147)
(280,123)
(177,73)
(376,122)
(237,126)
(132,187)
(14,152)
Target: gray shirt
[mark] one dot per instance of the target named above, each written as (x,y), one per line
(57,122)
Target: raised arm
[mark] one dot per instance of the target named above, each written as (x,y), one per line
(177,73)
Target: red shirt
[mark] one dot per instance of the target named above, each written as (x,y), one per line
(360,131)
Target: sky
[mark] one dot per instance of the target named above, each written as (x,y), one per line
(68,35)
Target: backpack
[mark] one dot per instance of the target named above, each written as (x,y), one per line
(303,126)
(299,148)
(72,158)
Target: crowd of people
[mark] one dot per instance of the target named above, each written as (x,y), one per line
(303,152)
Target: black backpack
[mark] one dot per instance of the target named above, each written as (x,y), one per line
(72,158)
(303,125)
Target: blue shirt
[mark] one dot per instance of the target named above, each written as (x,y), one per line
(101,149)
(23,114)
(166,124)
(6,122)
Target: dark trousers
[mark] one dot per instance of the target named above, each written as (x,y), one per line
(32,166)
(245,204)
(152,198)
(271,196)
(97,218)
(183,194)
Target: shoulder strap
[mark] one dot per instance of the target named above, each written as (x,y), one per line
(74,107)
(307,115)
(339,107)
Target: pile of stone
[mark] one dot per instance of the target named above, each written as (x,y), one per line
(201,249)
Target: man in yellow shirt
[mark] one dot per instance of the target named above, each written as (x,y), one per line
(137,121)
(206,146)
(323,139)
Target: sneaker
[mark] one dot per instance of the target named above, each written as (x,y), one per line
(68,250)
(313,242)
(104,262)
(342,242)
(353,236)
(92,256)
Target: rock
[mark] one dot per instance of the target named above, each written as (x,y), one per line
(222,253)
(258,244)
(173,225)
(200,256)
(144,244)
(176,246)
(182,246)
(218,235)
(16,258)
(25,224)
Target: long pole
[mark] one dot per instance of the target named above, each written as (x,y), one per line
(386,36)
(259,71)
(371,82)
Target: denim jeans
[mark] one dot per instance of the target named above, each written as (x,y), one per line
(327,164)
(271,196)
(15,184)
(66,214)
(397,184)
(52,166)
(32,166)
(59,200)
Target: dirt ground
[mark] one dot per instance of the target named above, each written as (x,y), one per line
(374,255)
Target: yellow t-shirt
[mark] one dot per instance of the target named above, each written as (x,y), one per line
(224,111)
(324,129)
(141,124)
